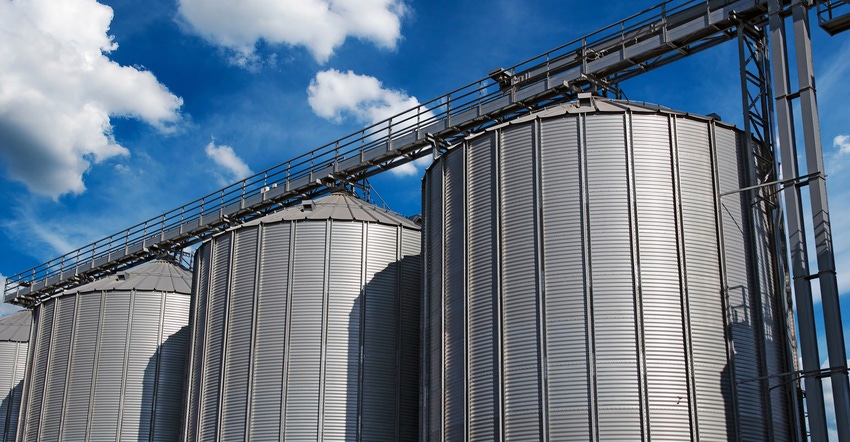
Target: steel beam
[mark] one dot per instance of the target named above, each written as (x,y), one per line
(796,227)
(820,223)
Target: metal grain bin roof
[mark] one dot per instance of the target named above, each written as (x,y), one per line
(158,276)
(337,206)
(16,327)
(602,105)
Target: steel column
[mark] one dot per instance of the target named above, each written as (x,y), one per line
(820,223)
(796,227)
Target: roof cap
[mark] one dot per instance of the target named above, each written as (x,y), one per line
(157,276)
(16,327)
(337,206)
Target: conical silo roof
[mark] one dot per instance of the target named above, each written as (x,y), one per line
(158,276)
(337,206)
(16,327)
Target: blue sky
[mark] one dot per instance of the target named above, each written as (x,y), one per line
(114,112)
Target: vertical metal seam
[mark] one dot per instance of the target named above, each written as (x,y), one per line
(424,328)
(497,282)
(494,302)
(443,301)
(361,343)
(683,276)
(293,231)
(222,365)
(126,365)
(255,295)
(588,279)
(540,274)
(95,370)
(323,349)
(398,332)
(190,370)
(464,151)
(634,254)
(72,341)
(724,278)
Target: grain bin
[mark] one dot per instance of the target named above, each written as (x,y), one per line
(14,339)
(305,326)
(107,360)
(588,277)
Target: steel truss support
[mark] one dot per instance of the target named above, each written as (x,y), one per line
(762,198)
(802,275)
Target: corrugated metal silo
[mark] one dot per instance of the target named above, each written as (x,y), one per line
(14,341)
(108,359)
(305,326)
(588,278)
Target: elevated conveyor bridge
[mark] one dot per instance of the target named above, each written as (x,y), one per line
(595,62)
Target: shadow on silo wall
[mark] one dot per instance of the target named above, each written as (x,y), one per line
(382,394)
(164,388)
(9,409)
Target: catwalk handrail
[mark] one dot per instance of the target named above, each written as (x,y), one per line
(551,77)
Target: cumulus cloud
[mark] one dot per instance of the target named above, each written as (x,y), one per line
(58,90)
(335,95)
(234,168)
(318,25)
(842,143)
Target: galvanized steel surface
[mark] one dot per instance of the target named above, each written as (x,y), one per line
(108,359)
(14,338)
(586,281)
(305,326)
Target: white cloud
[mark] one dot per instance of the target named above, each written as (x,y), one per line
(225,157)
(319,25)
(335,95)
(842,143)
(58,90)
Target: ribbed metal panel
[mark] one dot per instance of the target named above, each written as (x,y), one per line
(106,405)
(270,334)
(519,287)
(318,318)
(433,304)
(13,356)
(57,369)
(301,406)
(567,299)
(342,371)
(198,314)
(409,336)
(661,293)
(106,353)
(482,308)
(614,328)
(238,339)
(606,256)
(34,399)
(455,310)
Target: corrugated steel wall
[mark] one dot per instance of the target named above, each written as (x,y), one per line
(306,330)
(107,366)
(13,360)
(576,269)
